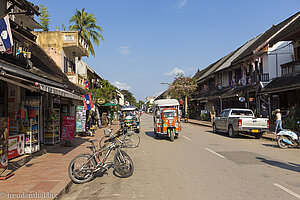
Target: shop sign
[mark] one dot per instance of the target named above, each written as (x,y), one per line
(242,99)
(69,38)
(15,146)
(100,101)
(4,126)
(80,119)
(68,128)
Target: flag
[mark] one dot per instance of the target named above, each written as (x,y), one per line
(6,40)
(87,85)
(88,102)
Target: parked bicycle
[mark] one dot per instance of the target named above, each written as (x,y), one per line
(84,166)
(126,139)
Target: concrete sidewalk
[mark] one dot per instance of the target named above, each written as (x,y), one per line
(46,176)
(268,135)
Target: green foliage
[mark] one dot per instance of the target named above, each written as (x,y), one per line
(292,120)
(182,86)
(86,24)
(205,117)
(140,103)
(44,18)
(63,26)
(129,97)
(107,91)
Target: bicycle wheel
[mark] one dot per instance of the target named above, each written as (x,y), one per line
(123,164)
(131,140)
(81,168)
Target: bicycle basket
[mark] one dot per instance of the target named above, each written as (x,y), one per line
(107,133)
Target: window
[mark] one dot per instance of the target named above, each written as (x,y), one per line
(242,112)
(169,113)
(69,66)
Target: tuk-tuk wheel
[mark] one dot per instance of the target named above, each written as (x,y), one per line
(172,136)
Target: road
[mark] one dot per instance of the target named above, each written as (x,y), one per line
(200,165)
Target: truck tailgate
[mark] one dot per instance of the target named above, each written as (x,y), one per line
(255,123)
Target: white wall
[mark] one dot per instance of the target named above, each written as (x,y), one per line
(280,53)
(81,67)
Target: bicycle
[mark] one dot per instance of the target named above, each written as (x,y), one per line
(81,172)
(126,140)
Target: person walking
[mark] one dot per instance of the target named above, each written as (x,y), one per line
(212,114)
(264,113)
(278,120)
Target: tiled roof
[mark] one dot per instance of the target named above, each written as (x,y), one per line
(262,39)
(44,66)
(283,83)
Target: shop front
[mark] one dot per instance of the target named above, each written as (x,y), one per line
(22,107)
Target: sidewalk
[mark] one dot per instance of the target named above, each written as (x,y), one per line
(47,174)
(269,135)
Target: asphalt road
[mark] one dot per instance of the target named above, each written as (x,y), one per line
(200,165)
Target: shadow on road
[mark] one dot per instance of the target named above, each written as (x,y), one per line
(151,134)
(290,166)
(271,145)
(240,136)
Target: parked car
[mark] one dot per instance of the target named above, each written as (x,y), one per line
(235,120)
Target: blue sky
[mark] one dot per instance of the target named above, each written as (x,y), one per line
(147,41)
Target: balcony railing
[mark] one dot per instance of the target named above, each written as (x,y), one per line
(259,77)
(290,68)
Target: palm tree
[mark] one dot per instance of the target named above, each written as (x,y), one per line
(86,24)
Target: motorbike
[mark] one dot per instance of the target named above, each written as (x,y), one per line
(90,129)
(287,138)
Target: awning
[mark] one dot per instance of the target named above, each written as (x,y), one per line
(109,104)
(19,84)
(60,92)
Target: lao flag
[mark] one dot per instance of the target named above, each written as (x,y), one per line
(6,40)
(87,102)
(87,85)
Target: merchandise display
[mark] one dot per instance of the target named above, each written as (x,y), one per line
(52,127)
(30,126)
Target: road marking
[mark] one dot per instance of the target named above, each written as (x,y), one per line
(186,137)
(215,153)
(287,190)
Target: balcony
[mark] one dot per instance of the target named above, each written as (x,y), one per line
(70,41)
(74,45)
(290,68)
(259,78)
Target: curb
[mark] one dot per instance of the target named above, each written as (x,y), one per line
(66,189)
(199,124)
(263,136)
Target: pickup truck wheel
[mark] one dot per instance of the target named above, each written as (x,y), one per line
(215,128)
(231,132)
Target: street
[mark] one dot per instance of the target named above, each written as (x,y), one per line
(200,165)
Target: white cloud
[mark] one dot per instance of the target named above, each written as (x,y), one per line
(121,86)
(175,71)
(124,50)
(181,3)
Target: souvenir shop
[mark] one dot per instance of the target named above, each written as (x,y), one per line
(22,107)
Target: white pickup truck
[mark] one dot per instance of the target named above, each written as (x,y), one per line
(235,120)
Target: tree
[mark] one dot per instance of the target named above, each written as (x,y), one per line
(44,18)
(140,104)
(86,24)
(63,26)
(106,92)
(182,86)
(129,97)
